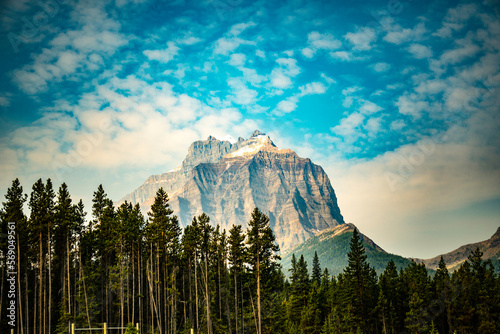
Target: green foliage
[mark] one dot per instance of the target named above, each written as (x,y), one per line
(121,269)
(131,329)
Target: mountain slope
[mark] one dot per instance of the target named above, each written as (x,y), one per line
(332,246)
(227,180)
(453,259)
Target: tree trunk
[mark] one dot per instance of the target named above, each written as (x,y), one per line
(258,295)
(49,252)
(69,275)
(40,298)
(196,292)
(253,309)
(209,321)
(19,285)
(236,302)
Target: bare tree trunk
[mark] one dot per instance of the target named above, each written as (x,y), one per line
(236,302)
(207,298)
(226,297)
(258,295)
(133,287)
(220,288)
(3,278)
(40,298)
(19,285)
(82,275)
(165,297)
(242,309)
(122,305)
(26,296)
(35,305)
(253,309)
(196,292)
(69,276)
(190,295)
(49,252)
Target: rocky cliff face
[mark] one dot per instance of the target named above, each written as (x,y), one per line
(227,180)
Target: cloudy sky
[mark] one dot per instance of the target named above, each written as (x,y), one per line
(397,100)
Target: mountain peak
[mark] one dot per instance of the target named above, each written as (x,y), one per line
(258,141)
(257,133)
(227,179)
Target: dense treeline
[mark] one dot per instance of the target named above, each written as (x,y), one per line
(121,267)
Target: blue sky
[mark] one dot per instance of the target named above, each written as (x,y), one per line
(397,100)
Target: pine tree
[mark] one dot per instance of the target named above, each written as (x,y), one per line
(66,227)
(389,299)
(443,288)
(12,212)
(262,255)
(237,255)
(418,284)
(206,234)
(316,270)
(361,286)
(163,234)
(40,227)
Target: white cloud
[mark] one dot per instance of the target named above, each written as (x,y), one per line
(411,105)
(285,106)
(373,126)
(465,50)
(349,127)
(251,76)
(308,52)
(397,125)
(163,55)
(317,41)
(381,67)
(312,88)
(4,100)
(455,19)
(348,93)
(362,39)
(237,59)
(281,76)
(290,104)
(242,95)
(368,107)
(231,41)
(341,55)
(420,51)
(280,80)
(398,35)
(147,126)
(74,53)
(189,40)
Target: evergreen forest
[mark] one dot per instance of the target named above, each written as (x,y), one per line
(123,268)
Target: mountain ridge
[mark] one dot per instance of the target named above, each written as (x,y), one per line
(490,248)
(332,246)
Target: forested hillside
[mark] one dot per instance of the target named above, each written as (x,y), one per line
(121,267)
(331,247)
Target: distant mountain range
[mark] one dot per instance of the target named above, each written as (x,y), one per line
(227,179)
(453,259)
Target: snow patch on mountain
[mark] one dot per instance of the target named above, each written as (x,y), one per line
(251,146)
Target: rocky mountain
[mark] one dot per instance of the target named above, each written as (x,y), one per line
(228,179)
(453,259)
(332,246)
